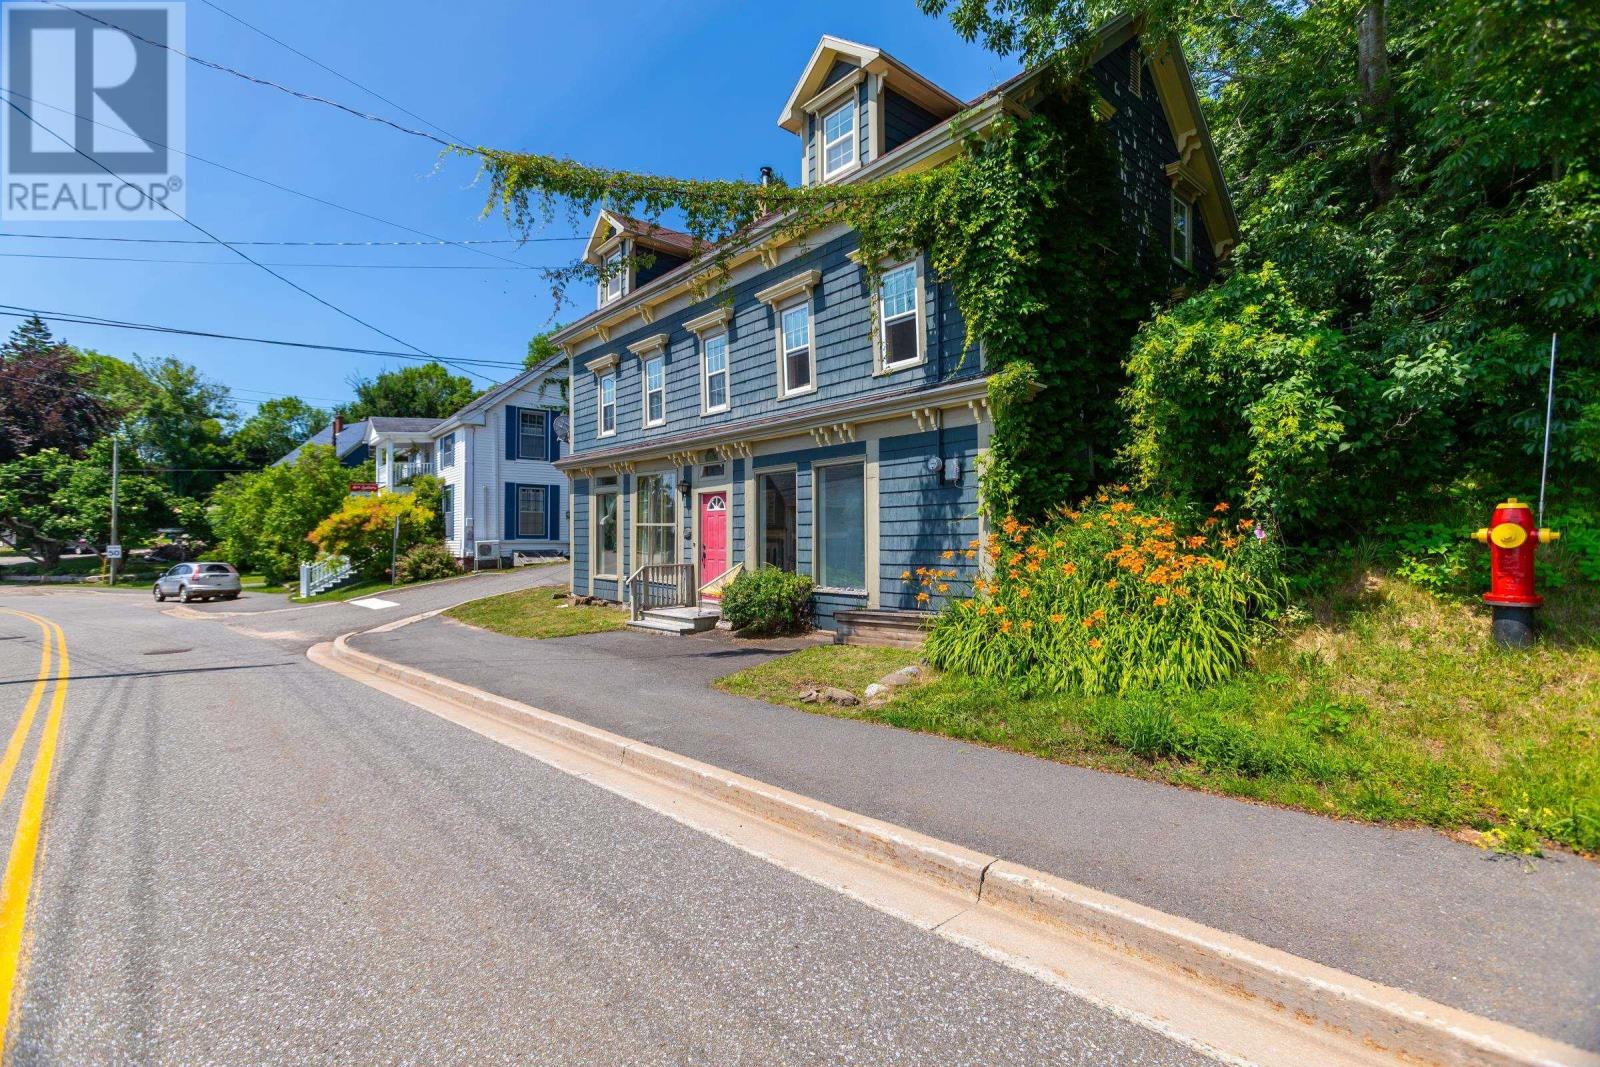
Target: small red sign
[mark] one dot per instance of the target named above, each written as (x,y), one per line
(363,488)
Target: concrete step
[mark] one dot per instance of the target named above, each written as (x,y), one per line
(676,620)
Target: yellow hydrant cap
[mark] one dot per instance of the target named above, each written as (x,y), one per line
(1547,536)
(1508,535)
(1514,503)
(1481,536)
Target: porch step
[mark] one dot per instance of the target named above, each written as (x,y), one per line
(677,620)
(898,629)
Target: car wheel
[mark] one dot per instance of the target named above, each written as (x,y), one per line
(183,595)
(161,598)
(231,596)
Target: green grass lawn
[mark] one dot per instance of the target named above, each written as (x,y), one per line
(537,613)
(1385,704)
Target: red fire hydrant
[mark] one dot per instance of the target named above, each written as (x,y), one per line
(1512,538)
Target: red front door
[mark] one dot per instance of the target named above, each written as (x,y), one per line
(713,536)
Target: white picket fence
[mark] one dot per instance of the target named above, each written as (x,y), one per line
(323,575)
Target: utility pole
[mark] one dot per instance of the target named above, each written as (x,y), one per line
(114,471)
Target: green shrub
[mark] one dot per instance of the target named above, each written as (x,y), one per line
(363,529)
(768,601)
(425,563)
(1109,599)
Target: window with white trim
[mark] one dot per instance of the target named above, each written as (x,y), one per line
(531,521)
(447,451)
(655,524)
(607,393)
(613,276)
(531,440)
(839,139)
(655,391)
(898,295)
(1182,235)
(606,561)
(714,361)
(447,505)
(794,339)
(841,526)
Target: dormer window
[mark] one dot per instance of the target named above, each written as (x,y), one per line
(613,277)
(839,139)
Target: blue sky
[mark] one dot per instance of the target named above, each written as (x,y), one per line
(687,89)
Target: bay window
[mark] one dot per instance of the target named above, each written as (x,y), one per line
(778,541)
(655,520)
(841,526)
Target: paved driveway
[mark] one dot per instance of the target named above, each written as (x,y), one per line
(1409,908)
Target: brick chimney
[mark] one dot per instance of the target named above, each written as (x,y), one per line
(338,428)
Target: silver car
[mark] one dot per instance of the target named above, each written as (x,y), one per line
(199,581)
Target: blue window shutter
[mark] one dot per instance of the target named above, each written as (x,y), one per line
(512,427)
(552,443)
(511,511)
(552,511)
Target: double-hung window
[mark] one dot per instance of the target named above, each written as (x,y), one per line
(897,317)
(1182,237)
(531,440)
(794,329)
(613,277)
(531,521)
(655,391)
(606,563)
(714,358)
(841,526)
(839,139)
(608,405)
(656,520)
(447,504)
(447,451)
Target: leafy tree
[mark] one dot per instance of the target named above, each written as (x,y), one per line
(46,400)
(363,529)
(263,518)
(48,500)
(181,428)
(277,427)
(424,391)
(541,348)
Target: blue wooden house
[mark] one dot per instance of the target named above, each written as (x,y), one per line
(779,421)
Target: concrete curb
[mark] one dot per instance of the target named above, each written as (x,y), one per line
(1378,1018)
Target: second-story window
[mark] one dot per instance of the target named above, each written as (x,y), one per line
(715,355)
(897,316)
(447,451)
(655,391)
(608,405)
(1182,239)
(613,279)
(530,435)
(794,327)
(839,139)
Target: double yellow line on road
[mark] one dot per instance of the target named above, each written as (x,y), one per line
(16,886)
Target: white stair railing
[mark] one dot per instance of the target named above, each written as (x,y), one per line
(662,585)
(324,574)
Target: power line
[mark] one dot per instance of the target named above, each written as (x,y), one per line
(15,311)
(242,255)
(264,263)
(441,243)
(337,74)
(309,97)
(266,181)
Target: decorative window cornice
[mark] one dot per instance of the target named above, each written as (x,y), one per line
(1185,182)
(711,320)
(656,341)
(790,287)
(602,364)
(835,92)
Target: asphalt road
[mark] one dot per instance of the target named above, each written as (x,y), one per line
(249,859)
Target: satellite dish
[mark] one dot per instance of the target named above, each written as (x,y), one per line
(564,428)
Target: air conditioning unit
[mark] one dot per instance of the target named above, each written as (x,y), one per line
(487,554)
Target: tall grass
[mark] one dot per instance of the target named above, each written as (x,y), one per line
(1112,597)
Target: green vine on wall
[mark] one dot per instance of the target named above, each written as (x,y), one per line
(1025,225)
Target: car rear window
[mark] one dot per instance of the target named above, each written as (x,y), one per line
(216,568)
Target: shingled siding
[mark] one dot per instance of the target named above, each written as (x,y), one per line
(841,333)
(921,517)
(1144,138)
(580,535)
(903,120)
(736,508)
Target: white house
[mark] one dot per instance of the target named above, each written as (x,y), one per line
(495,456)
